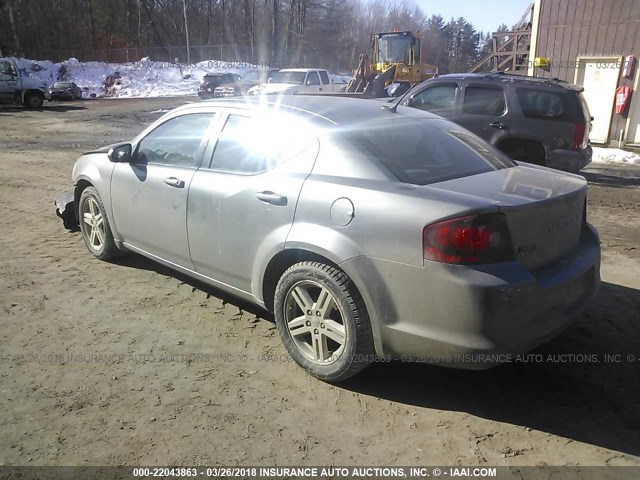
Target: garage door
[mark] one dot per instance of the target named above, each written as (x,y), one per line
(600,79)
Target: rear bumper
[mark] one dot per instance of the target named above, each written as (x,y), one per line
(569,160)
(474,317)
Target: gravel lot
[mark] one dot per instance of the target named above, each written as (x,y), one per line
(130,363)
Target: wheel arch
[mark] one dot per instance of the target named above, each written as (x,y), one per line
(511,144)
(80,187)
(280,262)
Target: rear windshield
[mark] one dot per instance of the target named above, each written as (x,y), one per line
(549,105)
(426,151)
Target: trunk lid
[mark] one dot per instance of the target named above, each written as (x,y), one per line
(543,208)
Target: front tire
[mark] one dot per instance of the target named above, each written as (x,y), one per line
(94,225)
(323,322)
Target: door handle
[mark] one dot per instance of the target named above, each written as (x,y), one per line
(320,89)
(498,125)
(272,198)
(174,182)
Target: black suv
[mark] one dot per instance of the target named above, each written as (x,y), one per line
(212,80)
(535,120)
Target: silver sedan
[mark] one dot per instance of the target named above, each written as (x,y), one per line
(369,232)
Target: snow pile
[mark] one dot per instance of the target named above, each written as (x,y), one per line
(614,155)
(144,78)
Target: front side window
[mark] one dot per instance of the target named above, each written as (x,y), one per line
(254,145)
(179,141)
(313,79)
(437,99)
(481,100)
(6,68)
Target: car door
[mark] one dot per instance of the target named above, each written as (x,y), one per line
(9,80)
(312,82)
(326,81)
(484,111)
(439,98)
(149,194)
(241,207)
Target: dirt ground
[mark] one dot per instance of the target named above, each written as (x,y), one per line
(130,363)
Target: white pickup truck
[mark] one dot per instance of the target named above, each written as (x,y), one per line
(297,80)
(27,91)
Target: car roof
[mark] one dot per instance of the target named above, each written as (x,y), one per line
(512,78)
(301,69)
(326,110)
(218,74)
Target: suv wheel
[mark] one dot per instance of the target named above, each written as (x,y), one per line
(322,321)
(33,101)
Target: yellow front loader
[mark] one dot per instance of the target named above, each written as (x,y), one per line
(396,57)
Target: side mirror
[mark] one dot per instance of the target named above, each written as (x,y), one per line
(120,153)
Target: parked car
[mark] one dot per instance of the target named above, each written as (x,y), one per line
(296,80)
(210,81)
(248,80)
(365,230)
(536,120)
(62,90)
(20,89)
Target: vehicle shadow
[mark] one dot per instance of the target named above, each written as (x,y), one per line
(614,176)
(45,108)
(62,107)
(133,260)
(596,403)
(583,385)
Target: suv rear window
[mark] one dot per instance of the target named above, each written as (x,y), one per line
(547,105)
(423,152)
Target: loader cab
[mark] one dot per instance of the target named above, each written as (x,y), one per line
(395,48)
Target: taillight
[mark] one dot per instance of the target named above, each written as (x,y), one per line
(473,239)
(580,137)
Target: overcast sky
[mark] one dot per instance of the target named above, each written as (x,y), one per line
(485,15)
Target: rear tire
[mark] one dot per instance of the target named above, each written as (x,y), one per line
(323,322)
(94,225)
(33,101)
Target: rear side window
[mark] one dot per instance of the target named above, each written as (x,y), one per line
(480,100)
(249,145)
(324,77)
(438,98)
(423,152)
(547,105)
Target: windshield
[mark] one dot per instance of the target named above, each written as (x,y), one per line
(295,78)
(252,76)
(424,152)
(393,49)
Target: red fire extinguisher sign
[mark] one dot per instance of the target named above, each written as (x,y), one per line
(623,94)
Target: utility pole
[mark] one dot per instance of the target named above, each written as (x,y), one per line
(186,29)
